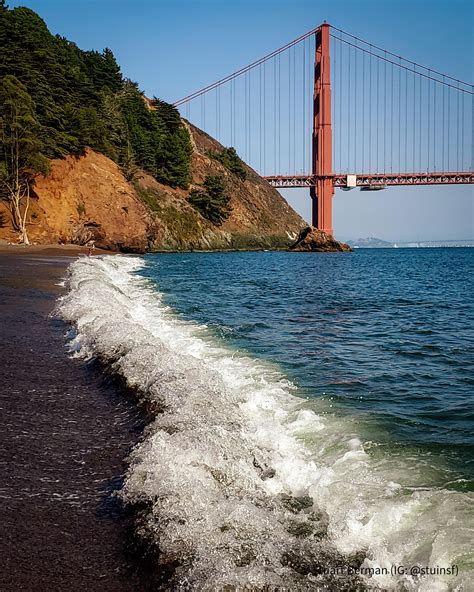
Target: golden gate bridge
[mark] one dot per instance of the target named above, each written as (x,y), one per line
(326,109)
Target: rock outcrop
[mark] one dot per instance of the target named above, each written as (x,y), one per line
(86,198)
(312,239)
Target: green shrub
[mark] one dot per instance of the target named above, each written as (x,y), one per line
(212,201)
(230,159)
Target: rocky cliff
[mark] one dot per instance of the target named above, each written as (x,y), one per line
(88,197)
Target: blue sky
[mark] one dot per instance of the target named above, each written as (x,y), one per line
(173,47)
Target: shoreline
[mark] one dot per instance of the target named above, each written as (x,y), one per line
(71,250)
(53,250)
(65,435)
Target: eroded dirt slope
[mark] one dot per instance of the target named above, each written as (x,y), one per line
(88,197)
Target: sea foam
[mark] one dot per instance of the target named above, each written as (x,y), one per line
(245,484)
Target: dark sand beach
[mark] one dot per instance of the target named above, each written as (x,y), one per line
(64,436)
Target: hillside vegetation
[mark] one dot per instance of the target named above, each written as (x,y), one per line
(84,155)
(80,98)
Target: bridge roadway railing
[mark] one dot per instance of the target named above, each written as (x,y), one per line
(375,180)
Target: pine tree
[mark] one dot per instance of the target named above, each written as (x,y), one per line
(21,157)
(212,202)
(81,99)
(231,160)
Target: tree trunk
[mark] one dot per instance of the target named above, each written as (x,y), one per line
(24,234)
(17,198)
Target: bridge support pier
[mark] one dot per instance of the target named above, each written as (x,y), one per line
(321,198)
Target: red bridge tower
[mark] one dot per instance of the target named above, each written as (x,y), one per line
(323,191)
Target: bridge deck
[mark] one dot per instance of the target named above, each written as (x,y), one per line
(375,179)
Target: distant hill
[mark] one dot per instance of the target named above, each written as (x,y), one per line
(370,243)
(439,243)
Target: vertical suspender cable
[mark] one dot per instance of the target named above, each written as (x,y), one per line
(384,111)
(217,111)
(370,112)
(289,111)
(310,101)
(232,112)
(449,127)
(421,118)
(462,131)
(250,115)
(341,57)
(363,112)
(355,107)
(435,117)
(279,114)
(472,129)
(303,111)
(260,116)
(274,118)
(429,122)
(294,110)
(457,132)
(399,115)
(443,142)
(414,116)
(391,122)
(308,95)
(349,110)
(406,121)
(377,124)
(247,116)
(264,116)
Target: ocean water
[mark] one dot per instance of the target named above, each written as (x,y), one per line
(315,425)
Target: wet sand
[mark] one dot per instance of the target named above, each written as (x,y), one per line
(49,250)
(64,435)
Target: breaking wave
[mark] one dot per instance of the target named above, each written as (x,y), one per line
(246,485)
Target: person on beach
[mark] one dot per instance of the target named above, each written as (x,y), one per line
(91,249)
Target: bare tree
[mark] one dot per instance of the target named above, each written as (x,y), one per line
(20,156)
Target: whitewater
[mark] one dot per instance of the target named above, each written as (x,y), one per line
(241,482)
